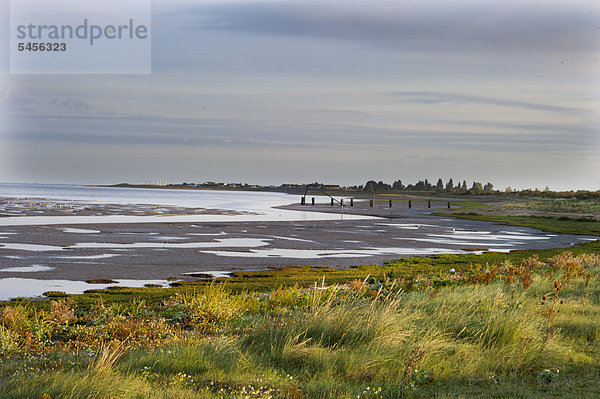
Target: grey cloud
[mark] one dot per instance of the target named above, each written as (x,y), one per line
(444,26)
(22,103)
(585,129)
(16,102)
(71,103)
(435,97)
(157,131)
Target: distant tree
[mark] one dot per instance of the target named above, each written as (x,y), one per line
(420,186)
(488,188)
(450,185)
(508,190)
(383,186)
(428,185)
(477,187)
(398,185)
(464,185)
(440,185)
(371,185)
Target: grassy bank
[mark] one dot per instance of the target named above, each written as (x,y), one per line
(565,225)
(526,329)
(557,215)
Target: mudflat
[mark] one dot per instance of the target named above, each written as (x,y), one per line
(155,250)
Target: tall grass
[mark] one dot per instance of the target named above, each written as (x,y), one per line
(77,385)
(375,340)
(511,325)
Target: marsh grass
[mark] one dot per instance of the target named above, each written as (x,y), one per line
(562,224)
(571,205)
(488,331)
(76,385)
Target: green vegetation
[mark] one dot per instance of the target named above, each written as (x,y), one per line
(562,224)
(503,325)
(518,328)
(567,216)
(569,205)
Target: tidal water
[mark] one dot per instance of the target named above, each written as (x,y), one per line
(153,236)
(258,206)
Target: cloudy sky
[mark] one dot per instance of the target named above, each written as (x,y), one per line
(338,91)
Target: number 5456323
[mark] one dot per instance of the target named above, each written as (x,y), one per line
(42,46)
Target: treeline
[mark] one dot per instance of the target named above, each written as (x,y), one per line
(425,185)
(474,189)
(579,194)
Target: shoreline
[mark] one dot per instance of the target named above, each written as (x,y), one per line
(172,247)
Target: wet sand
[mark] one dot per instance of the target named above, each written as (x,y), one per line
(158,251)
(10,207)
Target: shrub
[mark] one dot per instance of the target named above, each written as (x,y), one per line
(214,305)
(61,312)
(27,325)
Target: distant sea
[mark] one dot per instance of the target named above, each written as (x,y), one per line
(261,203)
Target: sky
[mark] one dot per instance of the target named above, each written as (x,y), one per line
(340,92)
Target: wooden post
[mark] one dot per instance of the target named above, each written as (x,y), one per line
(390,203)
(351,201)
(342,202)
(409,204)
(429,204)
(371,203)
(448,205)
(313,200)
(302,201)
(332,202)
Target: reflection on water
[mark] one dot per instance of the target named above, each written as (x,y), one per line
(88,257)
(211,273)
(333,253)
(80,231)
(29,287)
(27,269)
(29,247)
(224,242)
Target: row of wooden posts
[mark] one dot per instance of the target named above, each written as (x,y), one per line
(303,202)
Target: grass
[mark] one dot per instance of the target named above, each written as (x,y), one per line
(518,325)
(565,225)
(526,328)
(570,205)
(577,214)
